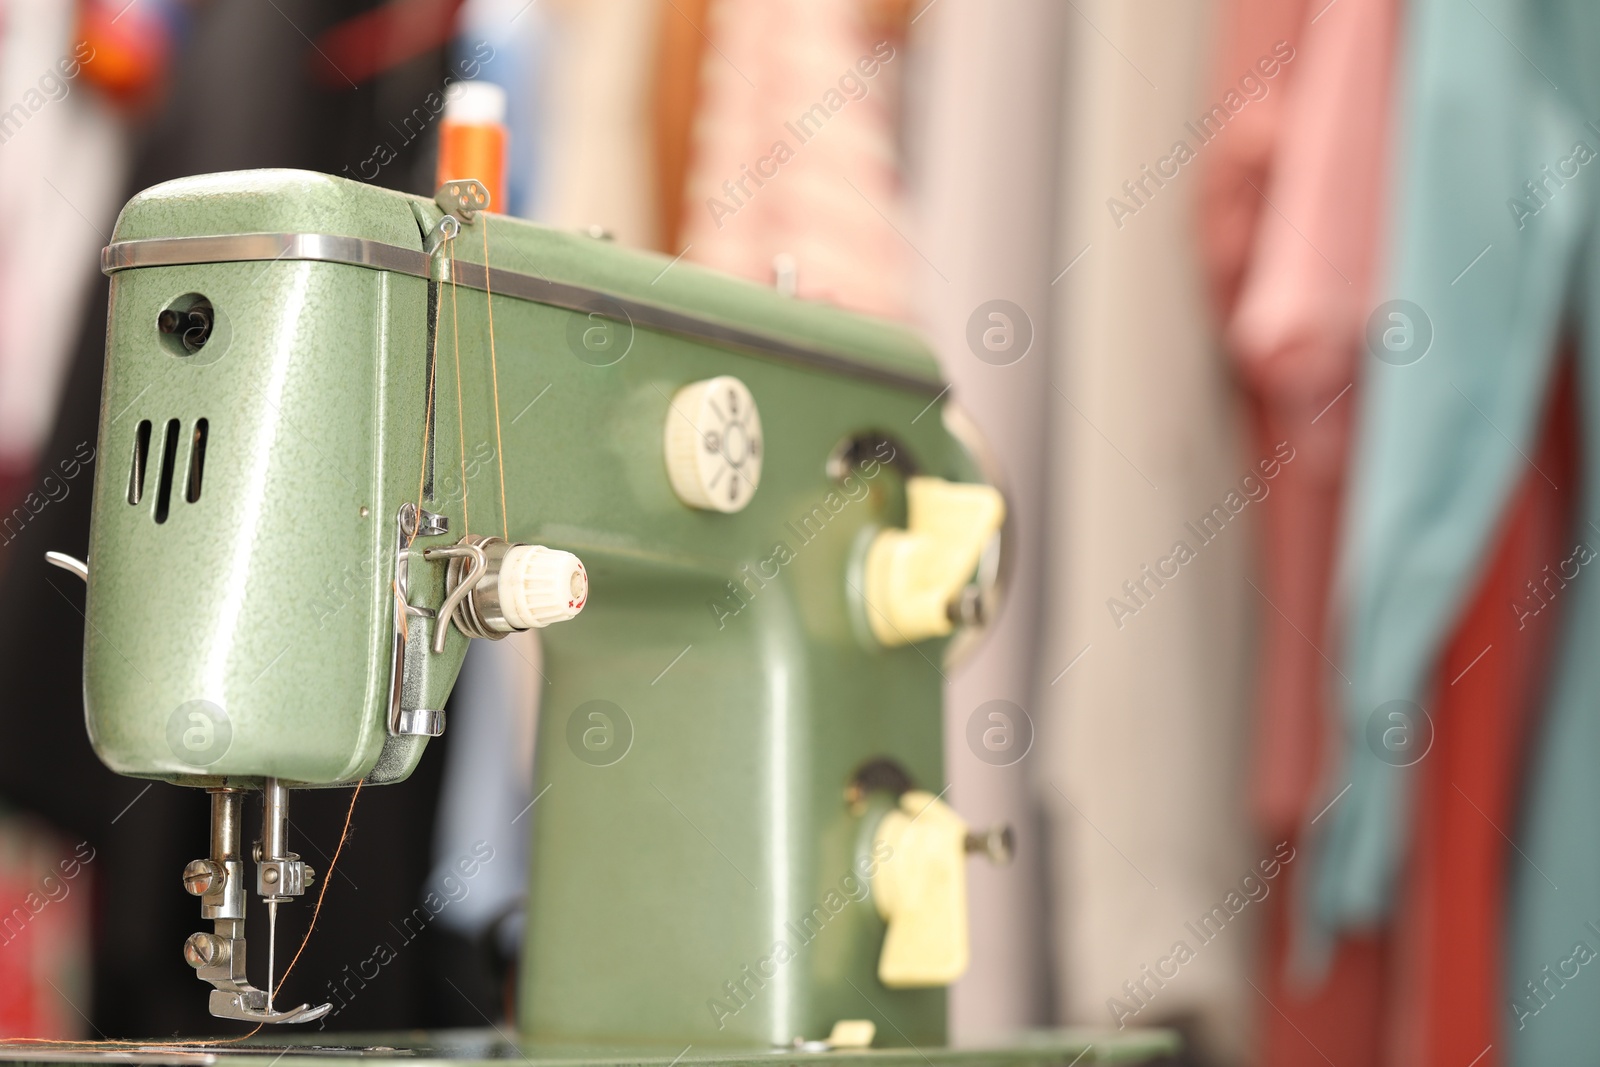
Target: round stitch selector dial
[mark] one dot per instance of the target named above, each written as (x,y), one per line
(713,444)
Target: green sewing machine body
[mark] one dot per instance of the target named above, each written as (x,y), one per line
(310,391)
(662,877)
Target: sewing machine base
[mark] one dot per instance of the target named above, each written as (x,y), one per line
(490,1048)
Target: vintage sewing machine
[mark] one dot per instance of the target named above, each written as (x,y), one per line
(753,529)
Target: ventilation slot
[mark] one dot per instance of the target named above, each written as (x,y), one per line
(197,461)
(169,460)
(141,453)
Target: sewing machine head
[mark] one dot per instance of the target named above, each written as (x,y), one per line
(331,458)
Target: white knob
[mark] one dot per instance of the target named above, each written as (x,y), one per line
(713,444)
(539,586)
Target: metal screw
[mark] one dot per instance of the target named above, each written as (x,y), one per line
(200,876)
(998,843)
(310,875)
(200,950)
(270,876)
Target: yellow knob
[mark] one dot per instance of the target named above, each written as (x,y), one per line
(921,892)
(913,575)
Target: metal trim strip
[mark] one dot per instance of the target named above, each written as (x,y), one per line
(377,255)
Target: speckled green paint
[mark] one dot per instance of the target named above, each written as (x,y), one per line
(657,879)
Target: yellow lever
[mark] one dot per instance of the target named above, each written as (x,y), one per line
(914,574)
(921,892)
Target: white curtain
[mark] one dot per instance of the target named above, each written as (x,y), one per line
(1145,733)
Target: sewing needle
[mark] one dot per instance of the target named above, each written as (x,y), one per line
(272,948)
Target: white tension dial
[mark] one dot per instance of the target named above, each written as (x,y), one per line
(713,444)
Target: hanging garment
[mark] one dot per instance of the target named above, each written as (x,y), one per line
(598,152)
(1445,998)
(1257,59)
(1342,1017)
(794,153)
(680,52)
(62,163)
(1427,991)
(1294,335)
(1143,727)
(380,38)
(1294,331)
(1492,211)
(62,170)
(45,889)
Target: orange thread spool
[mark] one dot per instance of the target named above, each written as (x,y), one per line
(472,139)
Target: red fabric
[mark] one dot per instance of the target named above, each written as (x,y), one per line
(44,933)
(1338,1020)
(125,50)
(15,481)
(1450,928)
(16,478)
(377,40)
(1426,993)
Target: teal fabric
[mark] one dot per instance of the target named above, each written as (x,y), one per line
(1491,93)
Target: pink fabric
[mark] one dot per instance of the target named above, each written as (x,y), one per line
(1239,161)
(1296,335)
(813,77)
(1295,288)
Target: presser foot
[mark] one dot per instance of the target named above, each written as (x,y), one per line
(250,1005)
(220,960)
(218,957)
